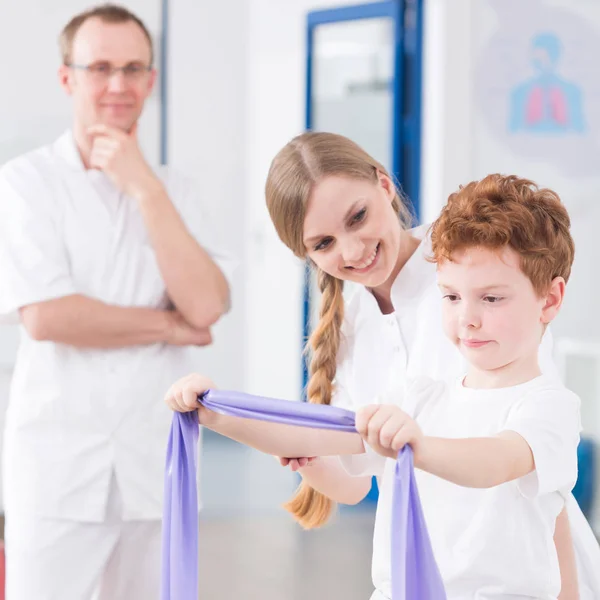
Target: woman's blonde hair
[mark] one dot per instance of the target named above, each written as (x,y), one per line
(294,172)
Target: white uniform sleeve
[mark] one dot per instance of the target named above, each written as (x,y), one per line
(356,465)
(199,223)
(550,423)
(34,265)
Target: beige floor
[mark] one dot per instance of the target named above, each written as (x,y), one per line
(268,558)
(251,549)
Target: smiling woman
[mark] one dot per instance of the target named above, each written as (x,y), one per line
(339,208)
(347,227)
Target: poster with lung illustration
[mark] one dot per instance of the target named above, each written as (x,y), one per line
(537,81)
(546,102)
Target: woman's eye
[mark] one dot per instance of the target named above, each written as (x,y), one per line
(323,244)
(492,299)
(359,216)
(451,297)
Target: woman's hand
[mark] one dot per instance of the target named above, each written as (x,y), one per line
(183,394)
(297,463)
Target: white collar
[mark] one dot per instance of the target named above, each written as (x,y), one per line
(414,277)
(66,148)
(417,274)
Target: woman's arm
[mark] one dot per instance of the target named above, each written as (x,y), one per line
(327,475)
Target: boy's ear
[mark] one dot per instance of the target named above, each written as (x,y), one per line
(554,299)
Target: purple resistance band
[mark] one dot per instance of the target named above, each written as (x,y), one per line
(415,574)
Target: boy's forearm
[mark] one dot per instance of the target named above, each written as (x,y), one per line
(476,462)
(326,475)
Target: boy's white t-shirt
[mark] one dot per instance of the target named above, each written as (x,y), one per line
(380,352)
(494,543)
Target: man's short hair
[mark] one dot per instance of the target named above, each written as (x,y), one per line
(108,13)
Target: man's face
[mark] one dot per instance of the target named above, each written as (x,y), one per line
(101,95)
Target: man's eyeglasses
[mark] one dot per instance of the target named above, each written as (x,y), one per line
(103,71)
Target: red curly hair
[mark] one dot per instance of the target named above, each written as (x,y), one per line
(505,210)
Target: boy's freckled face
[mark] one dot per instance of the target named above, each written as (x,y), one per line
(491,310)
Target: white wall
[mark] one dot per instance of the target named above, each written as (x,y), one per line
(207,90)
(446,159)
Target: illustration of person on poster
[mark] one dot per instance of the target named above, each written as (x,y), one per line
(546,103)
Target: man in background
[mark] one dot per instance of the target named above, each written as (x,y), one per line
(110,267)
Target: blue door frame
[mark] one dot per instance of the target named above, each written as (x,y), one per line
(407,16)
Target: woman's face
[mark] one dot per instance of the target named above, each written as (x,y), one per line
(351,230)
